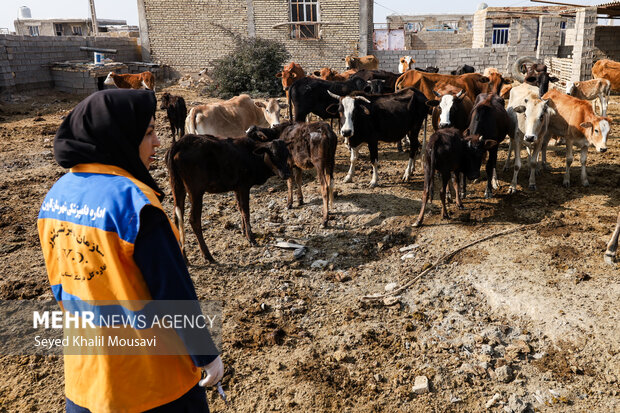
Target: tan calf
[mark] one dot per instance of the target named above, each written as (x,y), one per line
(231,119)
(608,69)
(327,73)
(590,90)
(579,125)
(369,62)
(144,80)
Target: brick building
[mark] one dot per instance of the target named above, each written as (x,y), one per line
(189,34)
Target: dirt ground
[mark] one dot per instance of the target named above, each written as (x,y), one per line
(528,321)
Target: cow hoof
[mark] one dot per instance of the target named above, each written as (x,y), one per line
(461,207)
(325,224)
(546,167)
(347,179)
(532,187)
(512,190)
(488,194)
(445,216)
(609,259)
(372,184)
(417,224)
(289,206)
(566,184)
(585,183)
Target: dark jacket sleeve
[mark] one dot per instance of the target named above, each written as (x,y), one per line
(159,258)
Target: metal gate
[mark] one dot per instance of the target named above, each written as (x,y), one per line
(386,39)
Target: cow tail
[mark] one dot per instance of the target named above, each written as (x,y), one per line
(290,106)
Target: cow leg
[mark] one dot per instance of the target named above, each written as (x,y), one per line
(178,195)
(409,168)
(321,174)
(610,254)
(508,157)
(243,202)
(298,182)
(354,156)
(428,178)
(445,180)
(374,158)
(289,185)
(569,161)
(583,158)
(543,151)
(457,191)
(463,180)
(413,147)
(490,170)
(534,165)
(399,146)
(517,167)
(195,221)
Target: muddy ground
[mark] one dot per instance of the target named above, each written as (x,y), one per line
(531,316)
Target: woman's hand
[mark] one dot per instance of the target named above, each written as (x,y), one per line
(214,371)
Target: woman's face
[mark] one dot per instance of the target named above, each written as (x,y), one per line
(148,144)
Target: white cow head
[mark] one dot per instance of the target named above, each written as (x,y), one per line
(596,131)
(109,80)
(271,110)
(406,63)
(537,115)
(347,109)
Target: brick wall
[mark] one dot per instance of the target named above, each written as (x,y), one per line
(24,59)
(182,33)
(438,40)
(607,43)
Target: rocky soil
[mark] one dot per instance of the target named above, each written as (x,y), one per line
(527,321)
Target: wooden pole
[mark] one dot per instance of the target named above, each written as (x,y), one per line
(93,17)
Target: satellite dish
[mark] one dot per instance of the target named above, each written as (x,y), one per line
(482,6)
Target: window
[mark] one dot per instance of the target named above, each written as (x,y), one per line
(76,30)
(500,34)
(58,29)
(34,30)
(304,11)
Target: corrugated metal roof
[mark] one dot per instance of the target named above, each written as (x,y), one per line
(611,9)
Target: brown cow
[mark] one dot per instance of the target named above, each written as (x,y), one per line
(203,163)
(310,145)
(610,70)
(579,125)
(327,73)
(233,117)
(406,63)
(369,62)
(290,74)
(144,80)
(472,83)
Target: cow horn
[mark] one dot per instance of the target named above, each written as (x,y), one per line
(436,93)
(335,96)
(362,98)
(458,95)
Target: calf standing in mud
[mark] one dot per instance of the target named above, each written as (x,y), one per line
(310,145)
(447,152)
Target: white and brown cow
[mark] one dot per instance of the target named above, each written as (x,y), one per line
(406,63)
(532,121)
(144,80)
(579,125)
(590,90)
(230,119)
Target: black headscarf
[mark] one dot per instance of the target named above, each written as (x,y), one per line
(107,127)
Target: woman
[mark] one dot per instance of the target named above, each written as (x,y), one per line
(105,236)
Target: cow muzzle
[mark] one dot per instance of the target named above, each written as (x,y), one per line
(601,150)
(530,138)
(346,133)
(444,125)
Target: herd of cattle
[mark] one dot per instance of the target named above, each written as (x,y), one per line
(240,143)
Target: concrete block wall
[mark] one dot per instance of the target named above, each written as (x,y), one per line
(24,59)
(438,40)
(193,40)
(607,43)
(450,59)
(585,25)
(549,35)
(479,29)
(74,82)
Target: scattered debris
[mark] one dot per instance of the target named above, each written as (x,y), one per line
(320,264)
(408,255)
(491,402)
(391,286)
(409,247)
(504,373)
(299,253)
(420,385)
(288,245)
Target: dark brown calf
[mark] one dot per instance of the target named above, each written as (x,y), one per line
(204,163)
(310,145)
(448,152)
(176,111)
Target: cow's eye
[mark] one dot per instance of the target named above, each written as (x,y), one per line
(596,130)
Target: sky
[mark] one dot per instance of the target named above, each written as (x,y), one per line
(128,9)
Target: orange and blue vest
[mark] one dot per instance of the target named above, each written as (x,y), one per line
(88,225)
